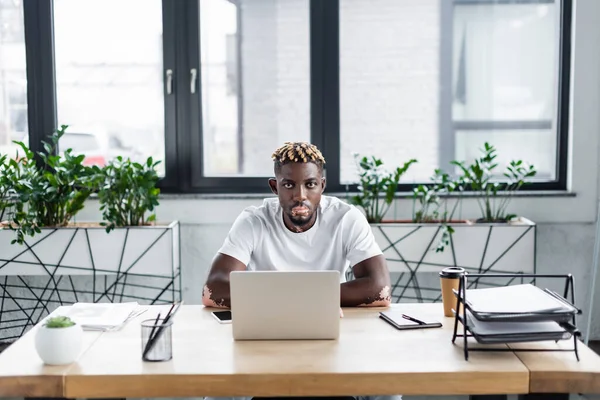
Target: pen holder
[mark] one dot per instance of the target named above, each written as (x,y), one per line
(157,344)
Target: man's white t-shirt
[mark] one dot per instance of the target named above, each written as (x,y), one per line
(341,237)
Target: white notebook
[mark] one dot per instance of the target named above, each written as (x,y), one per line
(103,316)
(513,299)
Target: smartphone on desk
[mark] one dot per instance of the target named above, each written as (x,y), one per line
(224,317)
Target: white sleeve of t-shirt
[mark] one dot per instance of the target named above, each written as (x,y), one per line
(360,242)
(239,242)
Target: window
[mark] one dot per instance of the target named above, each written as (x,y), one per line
(434,80)
(389,84)
(109,85)
(255,82)
(505,81)
(13,79)
(212,87)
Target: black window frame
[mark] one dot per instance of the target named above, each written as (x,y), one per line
(183,111)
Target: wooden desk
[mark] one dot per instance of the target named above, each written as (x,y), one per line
(22,372)
(371,357)
(560,372)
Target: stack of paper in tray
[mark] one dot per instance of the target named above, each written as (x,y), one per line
(518,313)
(103,316)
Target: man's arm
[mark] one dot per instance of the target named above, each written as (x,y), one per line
(216,291)
(371,286)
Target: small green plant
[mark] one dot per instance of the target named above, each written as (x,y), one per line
(434,199)
(51,188)
(128,193)
(376,186)
(433,204)
(493,197)
(59,322)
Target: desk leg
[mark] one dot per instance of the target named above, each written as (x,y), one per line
(544,396)
(488,397)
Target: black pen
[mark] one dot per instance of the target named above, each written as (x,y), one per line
(151,337)
(412,319)
(154,338)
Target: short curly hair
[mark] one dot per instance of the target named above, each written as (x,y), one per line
(292,152)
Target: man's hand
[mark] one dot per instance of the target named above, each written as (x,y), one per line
(371,286)
(216,292)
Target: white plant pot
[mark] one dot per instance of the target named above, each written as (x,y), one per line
(58,346)
(481,248)
(136,263)
(477,247)
(89,250)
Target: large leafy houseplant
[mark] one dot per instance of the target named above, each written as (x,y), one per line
(128,194)
(493,197)
(377,186)
(50,189)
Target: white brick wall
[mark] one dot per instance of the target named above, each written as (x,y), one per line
(389,83)
(293,72)
(276,78)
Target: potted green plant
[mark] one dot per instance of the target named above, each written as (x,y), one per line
(125,252)
(377,186)
(50,189)
(128,195)
(438,235)
(58,340)
(128,198)
(492,196)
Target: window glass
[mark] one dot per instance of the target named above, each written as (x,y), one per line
(109,78)
(255,76)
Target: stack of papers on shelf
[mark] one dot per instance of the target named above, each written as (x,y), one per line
(511,332)
(518,313)
(515,299)
(103,316)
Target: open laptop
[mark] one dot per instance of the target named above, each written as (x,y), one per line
(279,305)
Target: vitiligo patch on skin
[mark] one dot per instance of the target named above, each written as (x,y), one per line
(382,298)
(300,212)
(385,294)
(207,295)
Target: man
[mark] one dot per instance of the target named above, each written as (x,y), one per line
(302,228)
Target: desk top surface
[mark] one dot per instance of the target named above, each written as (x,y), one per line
(370,357)
(560,372)
(22,372)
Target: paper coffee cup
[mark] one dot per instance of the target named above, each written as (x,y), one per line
(450,279)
